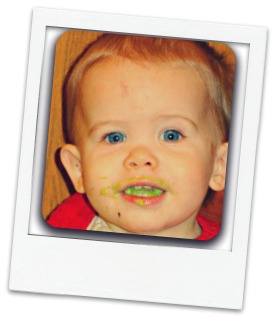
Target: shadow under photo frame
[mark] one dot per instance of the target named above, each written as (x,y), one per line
(154,269)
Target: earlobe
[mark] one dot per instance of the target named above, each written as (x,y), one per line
(71,160)
(217,181)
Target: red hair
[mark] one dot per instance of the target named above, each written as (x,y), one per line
(214,68)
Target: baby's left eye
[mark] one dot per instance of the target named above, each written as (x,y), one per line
(171,136)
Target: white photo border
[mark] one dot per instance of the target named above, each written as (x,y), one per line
(154,273)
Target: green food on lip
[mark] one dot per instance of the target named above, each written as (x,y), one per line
(143,191)
(114,190)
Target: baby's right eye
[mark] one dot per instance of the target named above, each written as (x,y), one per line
(115,138)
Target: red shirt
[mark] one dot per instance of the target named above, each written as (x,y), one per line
(76,213)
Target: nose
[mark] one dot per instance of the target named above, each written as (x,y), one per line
(141,157)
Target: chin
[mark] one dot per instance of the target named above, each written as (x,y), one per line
(145,229)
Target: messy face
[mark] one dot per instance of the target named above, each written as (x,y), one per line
(147,146)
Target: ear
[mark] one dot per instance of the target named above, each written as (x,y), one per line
(217,181)
(71,160)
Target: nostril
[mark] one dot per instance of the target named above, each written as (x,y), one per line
(136,164)
(132,164)
(140,157)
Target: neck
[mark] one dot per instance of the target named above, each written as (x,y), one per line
(188,229)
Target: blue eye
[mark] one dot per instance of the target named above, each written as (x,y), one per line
(171,136)
(115,138)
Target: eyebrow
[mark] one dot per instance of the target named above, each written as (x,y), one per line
(176,116)
(104,123)
(160,117)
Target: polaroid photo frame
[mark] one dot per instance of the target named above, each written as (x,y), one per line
(73,263)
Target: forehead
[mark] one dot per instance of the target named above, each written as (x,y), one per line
(122,85)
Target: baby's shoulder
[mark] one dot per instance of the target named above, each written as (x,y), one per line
(209,229)
(73,213)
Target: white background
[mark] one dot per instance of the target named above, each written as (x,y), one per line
(15,22)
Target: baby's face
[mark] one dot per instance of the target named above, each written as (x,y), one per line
(147,145)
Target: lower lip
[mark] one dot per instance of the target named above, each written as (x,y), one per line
(143,201)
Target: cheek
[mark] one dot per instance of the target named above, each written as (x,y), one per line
(191,173)
(101,182)
(95,175)
(102,169)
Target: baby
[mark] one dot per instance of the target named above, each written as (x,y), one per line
(147,121)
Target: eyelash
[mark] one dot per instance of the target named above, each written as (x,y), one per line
(118,137)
